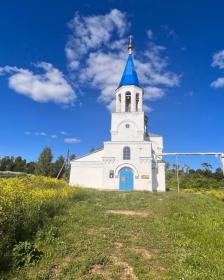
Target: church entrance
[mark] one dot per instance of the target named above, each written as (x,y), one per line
(126,182)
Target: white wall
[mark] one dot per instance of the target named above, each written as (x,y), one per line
(87,170)
(140,163)
(88,176)
(157,144)
(93,156)
(135,131)
(161,177)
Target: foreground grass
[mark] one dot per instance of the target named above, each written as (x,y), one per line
(172,237)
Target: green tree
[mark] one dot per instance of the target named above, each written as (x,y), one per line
(7,163)
(31,167)
(19,164)
(44,164)
(72,156)
(218,174)
(207,166)
(207,169)
(57,165)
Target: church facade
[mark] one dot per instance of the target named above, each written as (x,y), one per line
(132,160)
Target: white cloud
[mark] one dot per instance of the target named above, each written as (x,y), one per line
(149,34)
(60,134)
(71,140)
(184,49)
(170,33)
(50,85)
(146,108)
(54,136)
(219,83)
(40,133)
(189,93)
(218,61)
(91,33)
(63,133)
(153,93)
(97,51)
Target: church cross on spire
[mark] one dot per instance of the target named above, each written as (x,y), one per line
(130,45)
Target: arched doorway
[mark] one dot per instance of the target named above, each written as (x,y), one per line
(126,179)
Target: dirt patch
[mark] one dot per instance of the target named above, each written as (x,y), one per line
(128,271)
(141,213)
(56,268)
(143,252)
(118,247)
(100,270)
(54,271)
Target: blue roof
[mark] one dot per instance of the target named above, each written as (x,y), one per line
(129,76)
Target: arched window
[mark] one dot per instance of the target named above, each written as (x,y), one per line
(126,153)
(128,102)
(137,102)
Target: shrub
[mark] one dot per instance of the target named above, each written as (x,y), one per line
(25,253)
(26,203)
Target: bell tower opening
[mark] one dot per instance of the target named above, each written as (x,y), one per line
(137,103)
(119,103)
(127,102)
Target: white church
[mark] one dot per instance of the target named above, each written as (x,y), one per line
(132,159)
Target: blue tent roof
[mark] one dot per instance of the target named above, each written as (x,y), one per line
(129,76)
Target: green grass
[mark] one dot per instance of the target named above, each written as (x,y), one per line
(182,238)
(11,174)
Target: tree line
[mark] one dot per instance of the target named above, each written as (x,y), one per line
(205,177)
(206,170)
(45,165)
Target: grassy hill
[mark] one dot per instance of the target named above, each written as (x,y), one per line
(131,235)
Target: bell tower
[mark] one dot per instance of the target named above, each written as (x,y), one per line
(128,120)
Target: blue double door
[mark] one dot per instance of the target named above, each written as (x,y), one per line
(126,179)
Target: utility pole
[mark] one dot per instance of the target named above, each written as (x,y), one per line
(177,172)
(64,165)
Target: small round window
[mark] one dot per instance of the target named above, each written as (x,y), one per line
(127,125)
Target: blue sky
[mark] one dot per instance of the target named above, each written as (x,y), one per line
(61,60)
